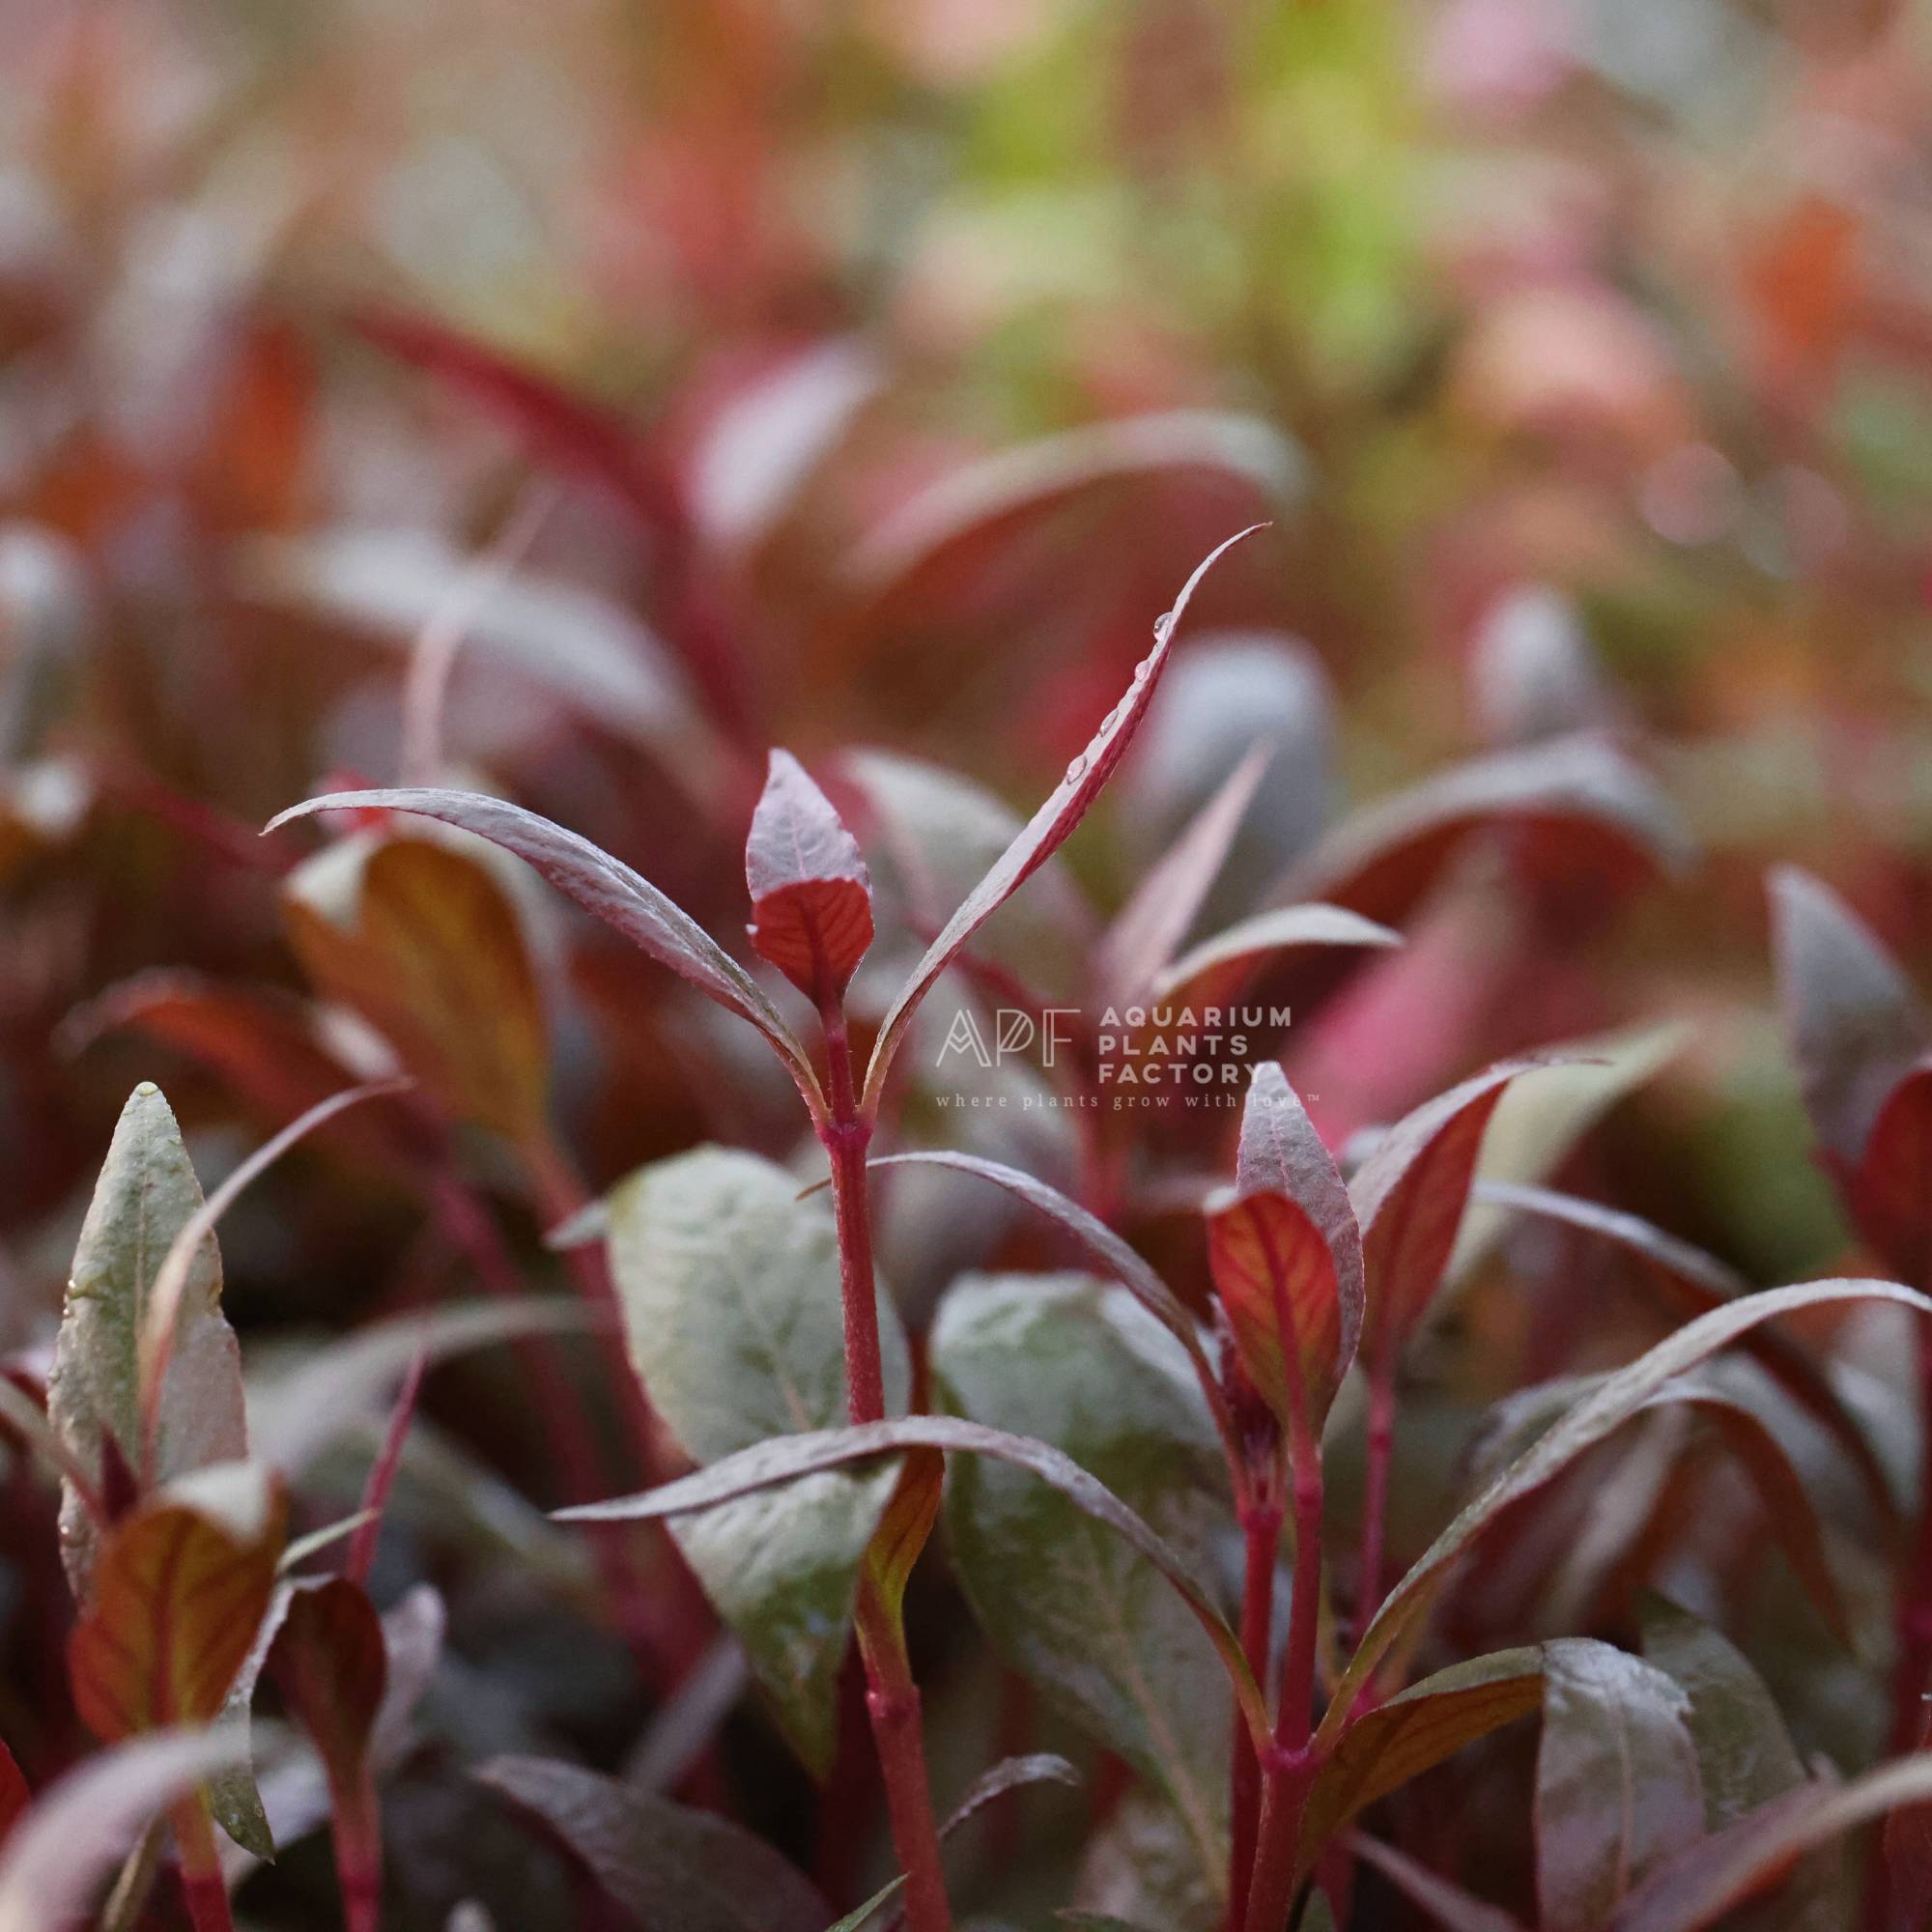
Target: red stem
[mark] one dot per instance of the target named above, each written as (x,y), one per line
(358,1854)
(1375,1497)
(1260,1535)
(201,1883)
(1291,1765)
(891,1697)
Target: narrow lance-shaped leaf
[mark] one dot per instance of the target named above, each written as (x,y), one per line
(1414,1731)
(62,1850)
(789,1457)
(1211,973)
(1153,923)
(1697,1282)
(1617,1787)
(1286,1259)
(1855,1023)
(1446,1905)
(1043,834)
(180,1589)
(675,1869)
(604,887)
(811,897)
(1713,1877)
(146,1194)
(1126,1266)
(1606,1406)
(1409,1196)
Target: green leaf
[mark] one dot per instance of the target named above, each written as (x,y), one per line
(788,1458)
(1617,1787)
(1062,1359)
(146,1194)
(729,1288)
(1141,1868)
(677,1870)
(1606,1406)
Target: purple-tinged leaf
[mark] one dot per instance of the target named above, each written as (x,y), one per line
(674,1869)
(1856,1025)
(1532,673)
(1695,1282)
(1408,1197)
(1043,834)
(1012,481)
(604,887)
(1211,974)
(1617,1786)
(1889,1189)
(811,897)
(63,1848)
(1604,1408)
(1719,1873)
(787,1457)
(1448,1905)
(1150,926)
(1599,814)
(330,1661)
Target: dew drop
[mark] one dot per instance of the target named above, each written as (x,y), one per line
(1077,769)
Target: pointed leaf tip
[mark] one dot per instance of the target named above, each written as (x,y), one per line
(811,897)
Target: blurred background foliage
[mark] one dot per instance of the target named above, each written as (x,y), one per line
(1577,350)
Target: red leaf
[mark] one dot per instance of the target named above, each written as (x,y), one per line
(14,1797)
(1889,1191)
(811,897)
(1409,1195)
(330,1664)
(180,1590)
(1856,1025)
(1043,834)
(1276,1279)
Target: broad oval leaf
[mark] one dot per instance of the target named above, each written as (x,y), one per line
(1698,1887)
(425,944)
(1408,1197)
(1603,1408)
(1086,1618)
(811,897)
(1606,813)
(1855,1023)
(64,1847)
(1042,836)
(675,1869)
(787,1459)
(604,887)
(146,1194)
(1212,972)
(729,1288)
(1617,1786)
(180,1589)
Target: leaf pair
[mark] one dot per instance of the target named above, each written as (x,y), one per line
(807,881)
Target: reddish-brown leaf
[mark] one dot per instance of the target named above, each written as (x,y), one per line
(330,1664)
(811,897)
(1409,1195)
(905,1526)
(14,1797)
(1889,1191)
(1855,1023)
(180,1589)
